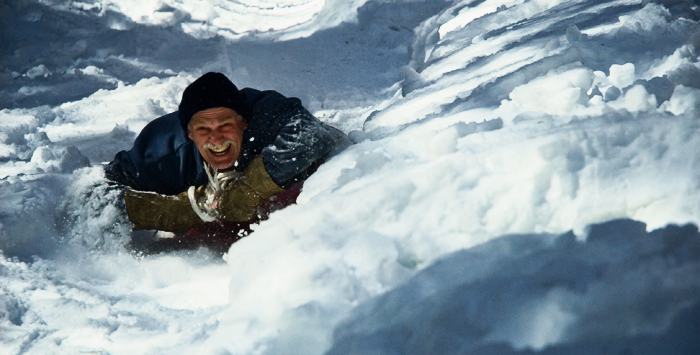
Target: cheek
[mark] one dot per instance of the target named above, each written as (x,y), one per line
(199,142)
(237,136)
(239,143)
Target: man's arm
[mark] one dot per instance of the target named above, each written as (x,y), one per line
(299,144)
(162,159)
(290,139)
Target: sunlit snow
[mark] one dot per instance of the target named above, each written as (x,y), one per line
(525,178)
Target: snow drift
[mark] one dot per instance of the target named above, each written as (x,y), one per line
(525,179)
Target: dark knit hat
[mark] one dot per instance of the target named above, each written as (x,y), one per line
(209,91)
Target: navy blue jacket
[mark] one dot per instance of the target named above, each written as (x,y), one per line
(291,140)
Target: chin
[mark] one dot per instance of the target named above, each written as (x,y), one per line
(221,164)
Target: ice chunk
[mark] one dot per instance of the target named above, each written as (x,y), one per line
(622,76)
(573,34)
(638,99)
(72,159)
(40,70)
(42,155)
(684,100)
(412,81)
(661,87)
(554,94)
(612,93)
(92,70)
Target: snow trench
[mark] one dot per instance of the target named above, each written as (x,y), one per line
(524,179)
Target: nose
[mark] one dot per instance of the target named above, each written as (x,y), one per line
(216,136)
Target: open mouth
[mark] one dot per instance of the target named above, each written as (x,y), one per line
(219,150)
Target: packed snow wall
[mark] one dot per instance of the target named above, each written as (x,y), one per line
(525,179)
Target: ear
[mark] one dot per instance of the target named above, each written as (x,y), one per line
(243,121)
(189,132)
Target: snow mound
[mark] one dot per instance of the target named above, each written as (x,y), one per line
(546,293)
(495,142)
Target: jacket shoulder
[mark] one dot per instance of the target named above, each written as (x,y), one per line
(162,159)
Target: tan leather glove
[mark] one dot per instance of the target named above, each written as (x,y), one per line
(239,202)
(149,210)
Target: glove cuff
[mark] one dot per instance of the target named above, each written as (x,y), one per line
(191,195)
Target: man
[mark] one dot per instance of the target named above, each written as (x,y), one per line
(222,156)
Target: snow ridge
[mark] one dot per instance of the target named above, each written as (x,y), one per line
(524,179)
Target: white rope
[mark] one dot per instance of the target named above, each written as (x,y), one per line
(195,207)
(217,183)
(212,181)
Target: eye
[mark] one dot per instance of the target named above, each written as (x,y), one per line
(228,126)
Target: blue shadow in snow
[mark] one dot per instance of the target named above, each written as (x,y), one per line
(622,291)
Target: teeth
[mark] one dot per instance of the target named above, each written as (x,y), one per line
(220,149)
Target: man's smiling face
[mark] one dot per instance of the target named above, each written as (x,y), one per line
(218,134)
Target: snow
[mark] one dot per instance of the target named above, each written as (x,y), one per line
(526,178)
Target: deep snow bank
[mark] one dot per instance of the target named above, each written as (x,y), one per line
(507,122)
(511,119)
(548,293)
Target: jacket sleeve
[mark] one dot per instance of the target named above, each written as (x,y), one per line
(300,143)
(162,159)
(291,140)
